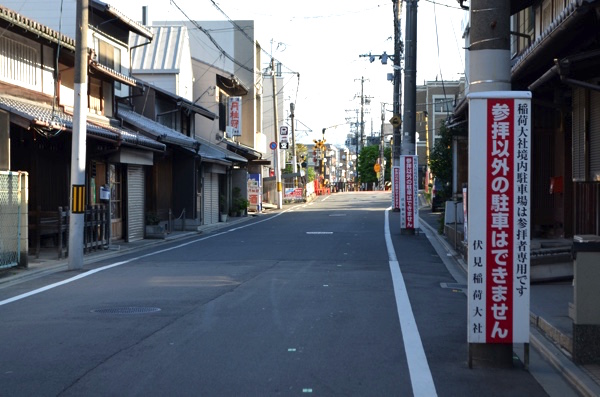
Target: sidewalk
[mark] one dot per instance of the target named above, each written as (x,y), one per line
(551,327)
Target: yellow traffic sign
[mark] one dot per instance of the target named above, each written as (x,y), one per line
(377,167)
(396,121)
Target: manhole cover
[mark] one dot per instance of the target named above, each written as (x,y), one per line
(454,286)
(127,310)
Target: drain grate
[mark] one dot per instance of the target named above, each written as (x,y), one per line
(457,286)
(127,310)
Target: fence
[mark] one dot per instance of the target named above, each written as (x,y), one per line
(54,227)
(96,228)
(293,188)
(13,218)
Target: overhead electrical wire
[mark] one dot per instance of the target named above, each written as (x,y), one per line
(216,44)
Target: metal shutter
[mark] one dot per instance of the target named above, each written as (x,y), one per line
(594,135)
(579,134)
(135,202)
(211,198)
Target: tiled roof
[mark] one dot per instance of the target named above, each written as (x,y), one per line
(165,134)
(156,130)
(43,115)
(113,73)
(36,27)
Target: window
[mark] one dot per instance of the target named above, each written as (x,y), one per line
(95,95)
(109,56)
(514,48)
(114,180)
(546,14)
(443,104)
(559,5)
(222,110)
(19,61)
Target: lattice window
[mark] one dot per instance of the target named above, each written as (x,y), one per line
(19,63)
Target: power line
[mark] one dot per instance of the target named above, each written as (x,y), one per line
(216,44)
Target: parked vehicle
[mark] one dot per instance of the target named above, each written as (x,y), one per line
(437,196)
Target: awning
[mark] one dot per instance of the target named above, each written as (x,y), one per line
(42,116)
(229,155)
(232,86)
(243,150)
(197,109)
(180,102)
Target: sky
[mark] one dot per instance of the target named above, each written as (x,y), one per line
(322,41)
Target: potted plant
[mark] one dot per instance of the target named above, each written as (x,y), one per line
(241,205)
(223,208)
(153,227)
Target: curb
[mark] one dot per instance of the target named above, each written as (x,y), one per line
(573,374)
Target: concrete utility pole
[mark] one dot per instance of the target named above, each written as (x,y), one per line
(397,102)
(489,65)
(409,122)
(78,145)
(362,112)
(381,150)
(276,133)
(356,159)
(489,47)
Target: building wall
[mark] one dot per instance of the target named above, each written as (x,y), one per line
(207,57)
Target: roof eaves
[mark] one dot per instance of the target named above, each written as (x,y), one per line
(113,73)
(134,26)
(156,130)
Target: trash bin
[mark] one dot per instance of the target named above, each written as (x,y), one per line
(586,319)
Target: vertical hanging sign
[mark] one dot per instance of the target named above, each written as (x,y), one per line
(409,192)
(499,182)
(396,187)
(234,128)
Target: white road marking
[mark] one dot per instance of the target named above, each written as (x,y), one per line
(418,367)
(319,232)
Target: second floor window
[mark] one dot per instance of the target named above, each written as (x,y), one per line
(109,56)
(442,104)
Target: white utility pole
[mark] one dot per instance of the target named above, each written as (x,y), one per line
(489,70)
(78,145)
